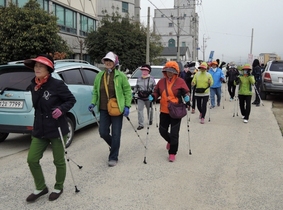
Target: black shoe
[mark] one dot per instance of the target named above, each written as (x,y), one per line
(258,104)
(54,196)
(254,103)
(140,127)
(150,122)
(32,197)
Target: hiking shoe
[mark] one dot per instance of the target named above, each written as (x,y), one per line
(171,158)
(193,111)
(200,116)
(218,104)
(243,117)
(150,122)
(231,99)
(55,195)
(167,146)
(246,121)
(211,107)
(254,102)
(140,127)
(202,120)
(112,163)
(32,197)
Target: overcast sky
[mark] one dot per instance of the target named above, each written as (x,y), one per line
(228,26)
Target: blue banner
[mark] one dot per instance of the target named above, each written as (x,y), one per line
(210,56)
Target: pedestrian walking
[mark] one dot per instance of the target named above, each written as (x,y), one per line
(231,75)
(144,87)
(245,82)
(51,100)
(202,81)
(112,95)
(170,88)
(256,72)
(193,70)
(215,88)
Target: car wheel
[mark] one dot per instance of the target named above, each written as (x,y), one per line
(3,136)
(263,95)
(70,135)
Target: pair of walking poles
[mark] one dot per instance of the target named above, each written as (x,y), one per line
(68,159)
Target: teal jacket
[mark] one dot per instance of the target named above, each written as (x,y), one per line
(123,90)
(245,84)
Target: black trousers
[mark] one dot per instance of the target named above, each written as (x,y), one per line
(202,104)
(171,137)
(245,105)
(231,89)
(257,85)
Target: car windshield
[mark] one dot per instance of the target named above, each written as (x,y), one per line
(15,79)
(277,66)
(156,73)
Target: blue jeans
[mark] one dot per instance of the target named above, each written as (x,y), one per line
(214,91)
(113,139)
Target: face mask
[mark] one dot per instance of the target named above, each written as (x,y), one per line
(245,72)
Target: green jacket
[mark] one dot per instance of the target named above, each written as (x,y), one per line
(245,84)
(123,90)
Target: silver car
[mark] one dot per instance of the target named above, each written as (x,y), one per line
(272,79)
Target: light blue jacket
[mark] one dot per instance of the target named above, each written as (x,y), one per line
(217,75)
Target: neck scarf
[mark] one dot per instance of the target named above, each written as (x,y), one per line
(40,82)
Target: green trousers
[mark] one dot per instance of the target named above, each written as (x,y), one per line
(37,147)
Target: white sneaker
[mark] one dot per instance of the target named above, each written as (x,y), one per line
(246,121)
(243,117)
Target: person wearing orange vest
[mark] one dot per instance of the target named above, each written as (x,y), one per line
(177,92)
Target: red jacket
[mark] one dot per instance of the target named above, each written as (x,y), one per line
(175,88)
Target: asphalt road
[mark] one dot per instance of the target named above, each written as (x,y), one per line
(233,166)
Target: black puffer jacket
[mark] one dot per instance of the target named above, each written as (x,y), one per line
(52,94)
(232,74)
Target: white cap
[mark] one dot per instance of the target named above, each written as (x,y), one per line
(111,56)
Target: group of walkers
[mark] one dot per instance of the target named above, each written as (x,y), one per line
(112,97)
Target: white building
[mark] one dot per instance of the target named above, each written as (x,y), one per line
(76,18)
(180,22)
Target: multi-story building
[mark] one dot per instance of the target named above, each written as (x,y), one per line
(265,57)
(178,26)
(76,18)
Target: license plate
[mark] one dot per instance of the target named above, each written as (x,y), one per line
(11,104)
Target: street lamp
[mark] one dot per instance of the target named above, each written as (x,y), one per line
(204,46)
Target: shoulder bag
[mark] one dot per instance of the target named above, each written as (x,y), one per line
(112,105)
(176,110)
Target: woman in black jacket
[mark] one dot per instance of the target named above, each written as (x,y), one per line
(256,72)
(51,100)
(232,73)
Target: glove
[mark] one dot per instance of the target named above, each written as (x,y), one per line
(150,98)
(187,98)
(126,111)
(56,113)
(91,107)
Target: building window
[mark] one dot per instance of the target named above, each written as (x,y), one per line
(86,25)
(171,43)
(44,4)
(125,7)
(2,3)
(67,19)
(170,25)
(183,44)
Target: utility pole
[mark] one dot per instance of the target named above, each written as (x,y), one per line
(147,37)
(251,50)
(178,31)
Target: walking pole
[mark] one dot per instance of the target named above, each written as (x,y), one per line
(234,106)
(147,132)
(188,127)
(258,94)
(237,105)
(156,120)
(209,109)
(67,158)
(136,132)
